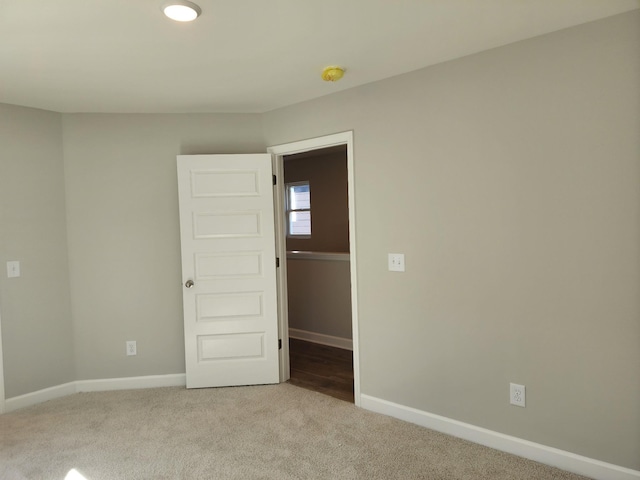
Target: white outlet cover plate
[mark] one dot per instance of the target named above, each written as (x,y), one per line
(396,262)
(517,395)
(131,348)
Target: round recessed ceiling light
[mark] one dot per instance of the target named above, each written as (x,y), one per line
(181,11)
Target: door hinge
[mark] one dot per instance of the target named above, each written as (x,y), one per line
(277,262)
(279,344)
(275,181)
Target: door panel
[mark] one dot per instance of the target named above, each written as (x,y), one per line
(228,252)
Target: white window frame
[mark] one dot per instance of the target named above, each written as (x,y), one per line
(289,210)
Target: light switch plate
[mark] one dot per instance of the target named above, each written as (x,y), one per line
(13,269)
(396,262)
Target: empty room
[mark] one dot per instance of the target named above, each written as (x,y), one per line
(163,249)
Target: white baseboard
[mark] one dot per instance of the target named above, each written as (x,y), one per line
(127,383)
(39,396)
(523,448)
(338,342)
(131,383)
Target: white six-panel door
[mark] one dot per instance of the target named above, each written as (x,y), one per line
(228,269)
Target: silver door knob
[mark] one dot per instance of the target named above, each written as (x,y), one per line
(189,284)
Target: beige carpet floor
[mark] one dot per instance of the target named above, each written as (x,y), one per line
(266,432)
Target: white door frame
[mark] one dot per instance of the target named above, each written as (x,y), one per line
(278,152)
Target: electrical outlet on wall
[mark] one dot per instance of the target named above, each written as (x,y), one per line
(132,349)
(517,395)
(396,262)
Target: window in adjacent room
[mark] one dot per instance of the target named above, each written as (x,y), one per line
(298,209)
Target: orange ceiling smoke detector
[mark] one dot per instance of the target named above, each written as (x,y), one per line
(332,73)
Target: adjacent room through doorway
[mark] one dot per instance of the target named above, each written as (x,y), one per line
(318,271)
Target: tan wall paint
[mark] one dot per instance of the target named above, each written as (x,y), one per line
(124,237)
(319,291)
(510,181)
(319,295)
(327,176)
(36,314)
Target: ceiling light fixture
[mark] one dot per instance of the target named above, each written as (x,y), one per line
(181,11)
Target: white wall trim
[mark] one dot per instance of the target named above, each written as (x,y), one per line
(322,339)
(322,256)
(40,396)
(523,448)
(127,383)
(132,383)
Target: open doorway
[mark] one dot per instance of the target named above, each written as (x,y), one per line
(318,271)
(296,151)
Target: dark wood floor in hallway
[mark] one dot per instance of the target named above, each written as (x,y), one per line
(321,368)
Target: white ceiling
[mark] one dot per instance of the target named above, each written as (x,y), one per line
(247,55)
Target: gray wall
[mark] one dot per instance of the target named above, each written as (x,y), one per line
(37,341)
(508,178)
(510,181)
(124,238)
